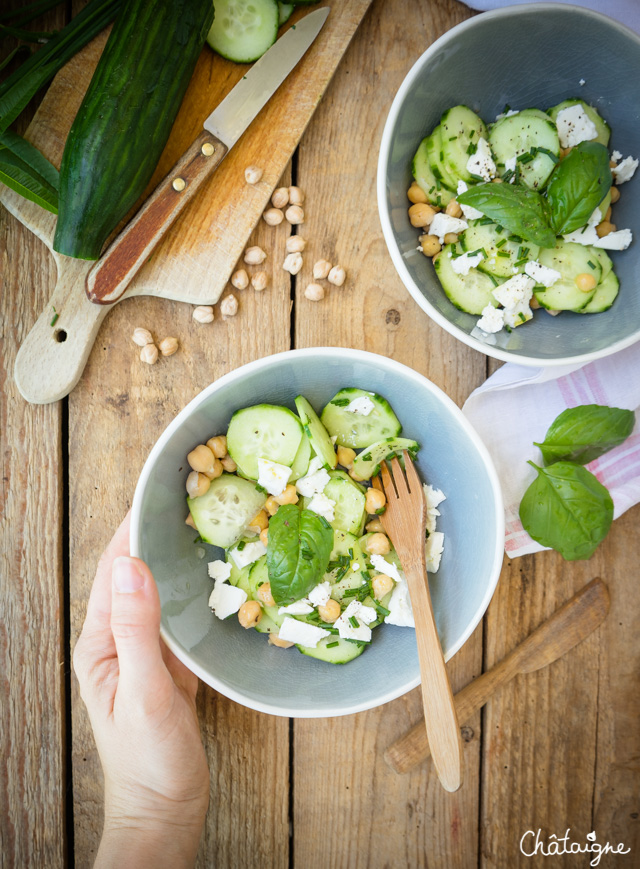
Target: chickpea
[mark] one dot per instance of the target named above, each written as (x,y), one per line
(416,194)
(605,228)
(607,216)
(280,197)
(564,152)
(264,536)
(295,244)
(218,446)
(453,209)
(430,245)
(215,471)
(201,459)
(189,521)
(585,282)
(274,640)
(330,611)
(289,496)
(496,181)
(612,163)
(375,500)
(615,194)
(197,484)
(421,214)
(250,614)
(381,585)
(264,593)
(228,464)
(450,238)
(375,526)
(355,476)
(271,505)
(296,196)
(378,544)
(346,456)
(259,522)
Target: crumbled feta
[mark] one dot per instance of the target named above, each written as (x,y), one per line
(433,498)
(248,554)
(319,596)
(468,211)
(386,567)
(624,170)
(616,156)
(323,506)
(435,548)
(619,240)
(542,275)
(362,405)
(364,616)
(302,634)
(399,606)
(443,223)
(582,82)
(355,566)
(297,608)
(575,126)
(492,319)
(464,263)
(517,314)
(226,599)
(516,290)
(272,476)
(481,163)
(219,570)
(507,114)
(315,479)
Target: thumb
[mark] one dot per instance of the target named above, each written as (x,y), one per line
(135,625)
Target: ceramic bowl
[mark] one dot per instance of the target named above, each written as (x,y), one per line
(521,56)
(239,663)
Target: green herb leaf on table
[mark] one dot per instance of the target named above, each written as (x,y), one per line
(518,209)
(568,509)
(582,434)
(22,178)
(300,544)
(578,185)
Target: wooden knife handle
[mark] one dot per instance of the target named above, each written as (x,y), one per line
(111,275)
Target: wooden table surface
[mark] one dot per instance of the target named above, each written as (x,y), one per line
(556,749)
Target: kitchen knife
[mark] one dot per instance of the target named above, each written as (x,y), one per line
(112,273)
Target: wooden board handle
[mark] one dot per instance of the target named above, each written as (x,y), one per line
(567,627)
(110,276)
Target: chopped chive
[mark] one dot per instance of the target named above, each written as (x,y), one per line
(331,645)
(503,253)
(54,319)
(340,402)
(515,239)
(591,265)
(353,621)
(241,546)
(442,156)
(501,243)
(437,173)
(522,316)
(261,489)
(452,138)
(553,157)
(520,262)
(495,284)
(508,328)
(472,148)
(476,177)
(381,609)
(366,458)
(484,221)
(499,228)
(508,175)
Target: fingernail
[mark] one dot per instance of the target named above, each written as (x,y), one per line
(126,575)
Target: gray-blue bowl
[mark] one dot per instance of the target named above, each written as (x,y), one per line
(523,56)
(240,663)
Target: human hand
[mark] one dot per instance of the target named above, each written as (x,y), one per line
(141,702)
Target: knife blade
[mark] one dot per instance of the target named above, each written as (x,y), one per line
(110,276)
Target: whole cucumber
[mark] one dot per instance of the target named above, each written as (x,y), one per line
(126,116)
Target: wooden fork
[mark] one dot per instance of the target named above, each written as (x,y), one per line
(405,521)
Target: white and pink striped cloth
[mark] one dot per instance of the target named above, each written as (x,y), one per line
(517,405)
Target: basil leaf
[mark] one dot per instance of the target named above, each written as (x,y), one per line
(300,544)
(567,509)
(578,184)
(520,210)
(582,434)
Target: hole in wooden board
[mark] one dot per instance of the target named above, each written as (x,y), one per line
(60,335)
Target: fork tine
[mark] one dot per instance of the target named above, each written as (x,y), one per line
(399,479)
(412,475)
(388,482)
(376,482)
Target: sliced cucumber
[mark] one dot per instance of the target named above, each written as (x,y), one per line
(472,292)
(284,12)
(461,129)
(345,544)
(435,152)
(502,253)
(602,257)
(426,180)
(334,650)
(317,433)
(267,624)
(366,464)
(604,131)
(258,575)
(604,295)
(356,429)
(300,464)
(563,296)
(243,30)
(531,133)
(264,431)
(571,260)
(239,576)
(222,514)
(349,497)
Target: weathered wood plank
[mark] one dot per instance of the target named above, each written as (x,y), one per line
(349,808)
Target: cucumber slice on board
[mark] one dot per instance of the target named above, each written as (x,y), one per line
(222,514)
(243,30)
(284,12)
(520,135)
(472,292)
(502,254)
(604,131)
(426,180)
(604,296)
(317,433)
(356,429)
(264,431)
(366,464)
(461,130)
(334,650)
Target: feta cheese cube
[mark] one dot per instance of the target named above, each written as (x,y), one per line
(219,570)
(362,405)
(468,211)
(248,554)
(319,596)
(433,496)
(587,235)
(443,223)
(315,479)
(481,163)
(575,126)
(619,240)
(517,315)
(464,263)
(542,275)
(435,548)
(302,634)
(616,156)
(226,599)
(323,506)
(297,608)
(364,615)
(400,610)
(492,319)
(624,170)
(517,289)
(387,567)
(273,476)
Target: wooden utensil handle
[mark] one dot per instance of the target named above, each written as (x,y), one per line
(568,626)
(111,275)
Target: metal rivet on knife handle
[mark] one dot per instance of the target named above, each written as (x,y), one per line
(207,149)
(178,184)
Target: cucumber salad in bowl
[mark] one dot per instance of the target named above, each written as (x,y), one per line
(287,497)
(517,215)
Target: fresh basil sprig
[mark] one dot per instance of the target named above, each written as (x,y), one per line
(300,544)
(578,184)
(568,509)
(520,210)
(582,434)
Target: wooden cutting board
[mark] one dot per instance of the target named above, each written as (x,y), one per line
(196,258)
